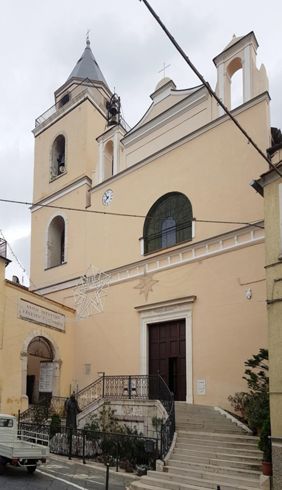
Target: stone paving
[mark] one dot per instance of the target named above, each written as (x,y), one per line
(61,474)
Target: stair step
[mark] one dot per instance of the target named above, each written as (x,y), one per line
(144,486)
(218,453)
(210,450)
(255,466)
(235,437)
(231,449)
(174,481)
(212,469)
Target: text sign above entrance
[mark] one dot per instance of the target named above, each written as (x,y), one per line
(38,314)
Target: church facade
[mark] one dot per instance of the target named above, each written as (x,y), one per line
(152,233)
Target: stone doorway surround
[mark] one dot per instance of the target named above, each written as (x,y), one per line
(174,309)
(24,359)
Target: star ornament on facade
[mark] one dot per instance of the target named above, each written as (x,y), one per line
(145,285)
(90,292)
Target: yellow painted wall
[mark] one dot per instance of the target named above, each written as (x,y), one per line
(226,327)
(15,334)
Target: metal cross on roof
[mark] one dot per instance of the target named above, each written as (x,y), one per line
(164,68)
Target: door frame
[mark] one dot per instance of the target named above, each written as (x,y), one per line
(166,311)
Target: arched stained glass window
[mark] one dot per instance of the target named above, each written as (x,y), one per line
(168,222)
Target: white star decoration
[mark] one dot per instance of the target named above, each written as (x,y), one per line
(88,295)
(145,285)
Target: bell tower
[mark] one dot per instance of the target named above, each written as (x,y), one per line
(240,54)
(66,158)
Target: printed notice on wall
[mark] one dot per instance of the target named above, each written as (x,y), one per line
(46,377)
(201,386)
(43,316)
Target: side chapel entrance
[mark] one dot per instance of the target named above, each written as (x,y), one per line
(167,354)
(39,381)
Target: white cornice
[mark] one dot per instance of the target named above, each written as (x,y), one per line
(62,192)
(179,256)
(165,117)
(58,114)
(185,139)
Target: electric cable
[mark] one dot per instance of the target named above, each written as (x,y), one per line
(127,215)
(208,87)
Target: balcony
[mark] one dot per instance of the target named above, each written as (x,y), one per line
(75,97)
(3,248)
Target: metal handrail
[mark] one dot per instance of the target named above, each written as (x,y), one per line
(3,248)
(56,110)
(135,387)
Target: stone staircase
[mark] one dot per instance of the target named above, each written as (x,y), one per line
(211,452)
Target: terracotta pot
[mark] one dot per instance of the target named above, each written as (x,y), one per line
(266,468)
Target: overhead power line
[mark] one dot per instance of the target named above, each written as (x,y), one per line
(208,87)
(127,215)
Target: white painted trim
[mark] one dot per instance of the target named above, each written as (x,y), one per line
(193,228)
(182,255)
(233,419)
(163,313)
(141,242)
(59,194)
(164,118)
(247,82)
(101,161)
(63,111)
(191,136)
(221,83)
(116,144)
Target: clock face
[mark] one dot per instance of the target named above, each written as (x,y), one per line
(107,197)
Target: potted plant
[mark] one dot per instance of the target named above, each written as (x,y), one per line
(265,446)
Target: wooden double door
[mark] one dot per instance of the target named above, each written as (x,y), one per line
(167,354)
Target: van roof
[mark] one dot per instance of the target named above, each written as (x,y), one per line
(6,416)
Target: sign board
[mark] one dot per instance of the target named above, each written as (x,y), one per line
(201,386)
(46,377)
(43,316)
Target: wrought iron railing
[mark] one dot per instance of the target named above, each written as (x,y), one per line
(3,248)
(43,409)
(118,449)
(75,95)
(139,387)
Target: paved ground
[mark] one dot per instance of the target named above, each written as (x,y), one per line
(61,474)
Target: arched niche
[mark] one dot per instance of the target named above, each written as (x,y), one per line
(56,242)
(58,156)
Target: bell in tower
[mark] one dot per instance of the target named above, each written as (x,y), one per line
(113,108)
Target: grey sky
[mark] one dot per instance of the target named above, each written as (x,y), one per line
(40,43)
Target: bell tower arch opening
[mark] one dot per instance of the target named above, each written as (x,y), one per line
(39,378)
(236,65)
(235,74)
(58,156)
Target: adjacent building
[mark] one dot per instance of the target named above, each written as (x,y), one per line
(269,185)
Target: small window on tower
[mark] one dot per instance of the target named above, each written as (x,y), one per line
(64,100)
(58,157)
